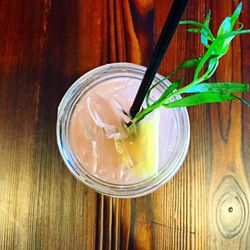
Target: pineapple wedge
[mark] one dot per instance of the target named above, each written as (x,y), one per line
(140,153)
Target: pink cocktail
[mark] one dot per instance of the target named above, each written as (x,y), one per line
(96,144)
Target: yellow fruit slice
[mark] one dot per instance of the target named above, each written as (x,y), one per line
(141,153)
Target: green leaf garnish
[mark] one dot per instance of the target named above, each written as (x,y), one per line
(218,87)
(193,30)
(236,14)
(201,91)
(184,65)
(200,98)
(172,87)
(201,27)
(204,33)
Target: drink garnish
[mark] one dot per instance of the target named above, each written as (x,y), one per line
(136,151)
(139,150)
(199,90)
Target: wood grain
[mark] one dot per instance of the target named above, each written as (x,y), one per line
(44,47)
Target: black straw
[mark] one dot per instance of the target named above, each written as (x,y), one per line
(166,35)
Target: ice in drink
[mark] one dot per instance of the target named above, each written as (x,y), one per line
(104,146)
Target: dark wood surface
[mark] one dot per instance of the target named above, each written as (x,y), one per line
(45,46)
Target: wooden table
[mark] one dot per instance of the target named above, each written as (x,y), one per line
(44,47)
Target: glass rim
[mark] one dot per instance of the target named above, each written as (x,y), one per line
(115,190)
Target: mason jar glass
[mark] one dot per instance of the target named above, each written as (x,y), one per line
(174,142)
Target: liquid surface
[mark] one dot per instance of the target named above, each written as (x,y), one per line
(101,144)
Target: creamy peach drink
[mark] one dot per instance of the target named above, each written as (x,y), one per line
(112,151)
(100,146)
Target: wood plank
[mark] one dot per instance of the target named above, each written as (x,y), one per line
(229,190)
